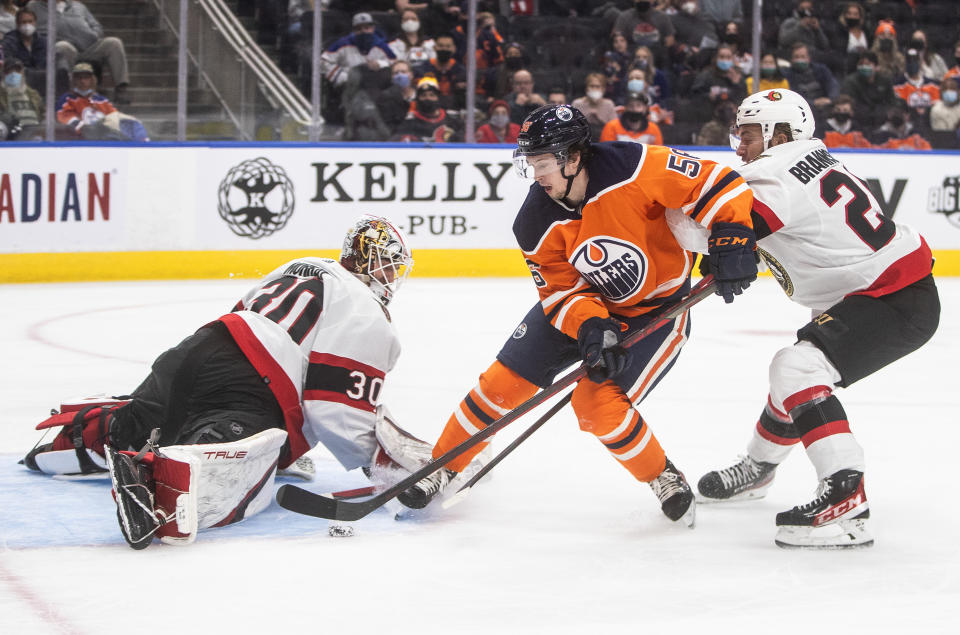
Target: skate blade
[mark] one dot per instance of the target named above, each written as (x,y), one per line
(753,494)
(845,534)
(689,518)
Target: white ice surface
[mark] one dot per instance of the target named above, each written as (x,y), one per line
(560,540)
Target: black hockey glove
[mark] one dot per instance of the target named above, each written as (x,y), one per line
(599,341)
(733,261)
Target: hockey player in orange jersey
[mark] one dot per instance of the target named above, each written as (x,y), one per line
(595,230)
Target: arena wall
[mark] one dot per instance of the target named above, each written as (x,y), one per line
(113,212)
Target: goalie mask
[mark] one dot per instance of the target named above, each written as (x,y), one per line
(375,251)
(770,107)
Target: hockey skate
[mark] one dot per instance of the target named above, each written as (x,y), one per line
(426,489)
(834,519)
(134,494)
(675,495)
(745,480)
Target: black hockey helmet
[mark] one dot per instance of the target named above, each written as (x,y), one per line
(552,129)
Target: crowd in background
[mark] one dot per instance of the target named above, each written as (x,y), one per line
(878,74)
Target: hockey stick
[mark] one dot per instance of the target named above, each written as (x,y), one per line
(302,501)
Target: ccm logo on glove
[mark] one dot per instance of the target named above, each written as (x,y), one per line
(732,252)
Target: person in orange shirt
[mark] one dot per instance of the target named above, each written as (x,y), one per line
(633,123)
(597,232)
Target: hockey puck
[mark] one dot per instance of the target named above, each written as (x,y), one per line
(340,531)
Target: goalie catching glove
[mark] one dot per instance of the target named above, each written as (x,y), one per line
(733,260)
(599,341)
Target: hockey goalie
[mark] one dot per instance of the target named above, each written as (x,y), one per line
(299,361)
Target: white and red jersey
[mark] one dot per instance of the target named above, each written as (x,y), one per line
(324,344)
(821,231)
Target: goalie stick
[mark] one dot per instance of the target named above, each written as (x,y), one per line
(302,501)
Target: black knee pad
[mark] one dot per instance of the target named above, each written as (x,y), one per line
(225,427)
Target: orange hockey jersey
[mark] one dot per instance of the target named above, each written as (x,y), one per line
(618,255)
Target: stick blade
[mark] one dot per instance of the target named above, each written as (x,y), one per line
(299,500)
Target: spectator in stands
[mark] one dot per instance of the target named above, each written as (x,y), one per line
(499,128)
(21,107)
(889,58)
(931,64)
(362,46)
(87,114)
(657,87)
(395,102)
(633,123)
(523,99)
(429,122)
(945,113)
(450,74)
(719,12)
(80,37)
(556,96)
(616,61)
(898,131)
(770,75)
(849,37)
(695,35)
(730,35)
(721,81)
(840,129)
(637,83)
(412,46)
(812,80)
(804,27)
(489,42)
(646,26)
(514,58)
(596,108)
(28,46)
(955,69)
(8,16)
(871,90)
(716,132)
(916,90)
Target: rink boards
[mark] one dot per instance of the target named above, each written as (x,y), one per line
(179,211)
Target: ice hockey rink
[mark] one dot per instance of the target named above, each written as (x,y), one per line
(559,539)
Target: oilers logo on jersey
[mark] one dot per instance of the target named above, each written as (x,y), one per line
(616,267)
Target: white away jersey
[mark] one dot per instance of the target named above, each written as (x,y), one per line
(821,231)
(324,344)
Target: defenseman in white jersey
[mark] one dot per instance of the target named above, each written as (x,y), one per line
(868,281)
(300,361)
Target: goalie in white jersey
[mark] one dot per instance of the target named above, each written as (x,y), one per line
(300,361)
(868,281)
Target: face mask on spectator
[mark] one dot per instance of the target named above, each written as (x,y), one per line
(642,64)
(949,96)
(13,80)
(768,71)
(886,45)
(499,120)
(636,86)
(917,43)
(402,79)
(514,62)
(853,23)
(642,7)
(690,8)
(896,120)
(444,56)
(635,117)
(865,71)
(86,92)
(724,65)
(595,95)
(427,106)
(410,26)
(363,41)
(61,5)
(27,29)
(731,38)
(800,66)
(841,117)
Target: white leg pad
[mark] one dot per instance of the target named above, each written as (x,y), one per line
(836,452)
(215,484)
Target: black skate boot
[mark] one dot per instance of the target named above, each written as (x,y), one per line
(133,491)
(419,496)
(835,519)
(675,495)
(746,479)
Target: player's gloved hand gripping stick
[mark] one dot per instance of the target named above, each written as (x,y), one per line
(302,501)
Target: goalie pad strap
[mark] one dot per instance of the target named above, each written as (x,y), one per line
(79,426)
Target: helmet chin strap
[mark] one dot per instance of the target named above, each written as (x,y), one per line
(566,193)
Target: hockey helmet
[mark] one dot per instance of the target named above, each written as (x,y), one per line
(552,129)
(770,107)
(375,251)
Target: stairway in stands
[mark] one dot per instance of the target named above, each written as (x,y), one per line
(152,58)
